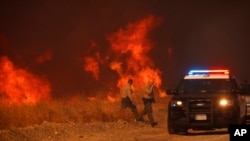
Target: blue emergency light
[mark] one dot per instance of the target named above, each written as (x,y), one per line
(197,72)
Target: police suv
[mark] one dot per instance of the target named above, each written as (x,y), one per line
(206,100)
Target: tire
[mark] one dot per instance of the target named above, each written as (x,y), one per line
(236,117)
(183,131)
(171,129)
(244,119)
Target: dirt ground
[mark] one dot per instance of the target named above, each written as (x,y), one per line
(111,131)
(121,130)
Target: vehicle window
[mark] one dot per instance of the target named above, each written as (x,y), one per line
(246,88)
(204,86)
(235,84)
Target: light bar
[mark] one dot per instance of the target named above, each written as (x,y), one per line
(220,76)
(193,72)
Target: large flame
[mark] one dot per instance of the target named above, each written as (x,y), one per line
(18,86)
(92,66)
(131,46)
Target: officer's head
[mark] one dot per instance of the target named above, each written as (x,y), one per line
(130,81)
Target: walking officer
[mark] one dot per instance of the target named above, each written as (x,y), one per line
(127,100)
(148,98)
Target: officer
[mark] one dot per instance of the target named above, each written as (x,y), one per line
(127,100)
(148,98)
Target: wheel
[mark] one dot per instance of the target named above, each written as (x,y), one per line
(183,131)
(236,119)
(171,129)
(244,119)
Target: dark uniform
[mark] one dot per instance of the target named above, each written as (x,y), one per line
(148,99)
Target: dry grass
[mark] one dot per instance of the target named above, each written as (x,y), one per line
(75,110)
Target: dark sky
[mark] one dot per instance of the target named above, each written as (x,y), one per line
(207,34)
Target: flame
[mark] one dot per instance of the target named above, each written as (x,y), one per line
(92,66)
(116,66)
(91,62)
(132,44)
(111,97)
(17,86)
(46,56)
(130,47)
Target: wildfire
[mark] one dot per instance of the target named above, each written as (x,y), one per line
(130,47)
(92,66)
(91,63)
(132,42)
(112,98)
(18,86)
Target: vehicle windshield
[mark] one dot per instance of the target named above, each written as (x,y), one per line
(189,86)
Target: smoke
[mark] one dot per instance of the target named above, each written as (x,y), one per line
(87,46)
(44,57)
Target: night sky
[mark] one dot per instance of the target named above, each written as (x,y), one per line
(201,34)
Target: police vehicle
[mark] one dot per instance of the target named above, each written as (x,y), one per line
(206,100)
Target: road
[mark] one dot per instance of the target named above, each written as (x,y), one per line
(159,134)
(192,136)
(217,135)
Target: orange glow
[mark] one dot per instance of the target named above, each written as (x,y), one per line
(18,86)
(112,98)
(91,98)
(116,66)
(133,43)
(92,66)
(46,56)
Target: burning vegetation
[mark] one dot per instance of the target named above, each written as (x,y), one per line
(129,53)
(18,86)
(28,96)
(131,47)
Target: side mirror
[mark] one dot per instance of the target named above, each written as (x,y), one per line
(242,92)
(171,91)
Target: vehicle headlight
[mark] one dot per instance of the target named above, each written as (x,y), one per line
(176,103)
(225,102)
